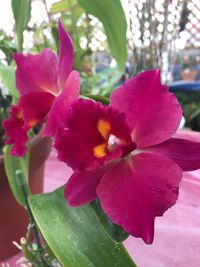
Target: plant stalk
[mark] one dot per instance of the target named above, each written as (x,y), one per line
(25,192)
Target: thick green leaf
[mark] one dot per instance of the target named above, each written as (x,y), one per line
(111,14)
(75,235)
(22,11)
(7,75)
(12,164)
(115,231)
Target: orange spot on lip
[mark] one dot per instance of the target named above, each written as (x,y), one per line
(111,141)
(19,115)
(100,150)
(32,122)
(104,128)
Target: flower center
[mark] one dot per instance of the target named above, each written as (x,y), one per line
(104,129)
(111,141)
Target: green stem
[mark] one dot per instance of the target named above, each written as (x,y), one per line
(22,184)
(25,192)
(76,32)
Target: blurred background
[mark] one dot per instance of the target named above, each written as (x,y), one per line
(113,40)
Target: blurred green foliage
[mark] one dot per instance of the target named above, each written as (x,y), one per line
(7,46)
(22,12)
(190,102)
(76,18)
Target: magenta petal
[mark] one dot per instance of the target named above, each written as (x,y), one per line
(152,112)
(14,129)
(137,189)
(35,107)
(57,116)
(19,146)
(184,152)
(81,187)
(65,63)
(36,72)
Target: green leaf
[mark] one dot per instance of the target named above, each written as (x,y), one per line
(12,164)
(77,12)
(66,5)
(75,235)
(194,114)
(7,75)
(111,14)
(115,231)
(60,6)
(22,11)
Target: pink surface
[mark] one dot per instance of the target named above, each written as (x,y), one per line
(177,234)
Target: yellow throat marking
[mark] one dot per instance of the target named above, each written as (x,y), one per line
(104,128)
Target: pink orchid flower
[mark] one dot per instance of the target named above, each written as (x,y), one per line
(125,154)
(45,83)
